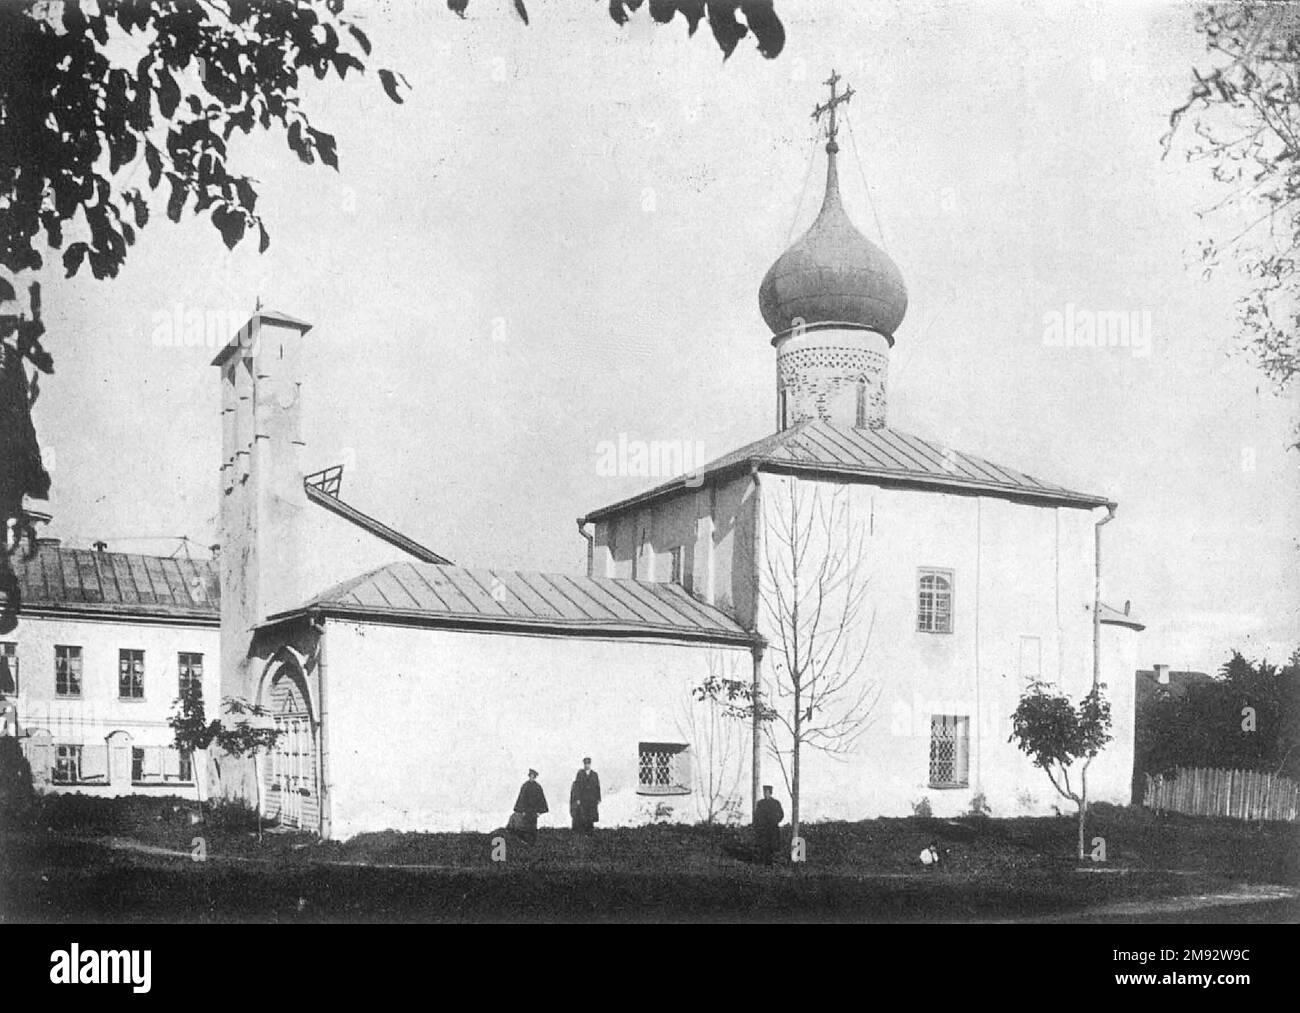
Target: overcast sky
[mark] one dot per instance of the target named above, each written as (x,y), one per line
(559,239)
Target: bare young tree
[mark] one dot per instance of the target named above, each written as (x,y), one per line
(814,604)
(712,720)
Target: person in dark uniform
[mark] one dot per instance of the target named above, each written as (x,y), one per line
(768,815)
(584,798)
(530,804)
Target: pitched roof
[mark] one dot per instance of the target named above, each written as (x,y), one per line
(884,455)
(421,594)
(117,583)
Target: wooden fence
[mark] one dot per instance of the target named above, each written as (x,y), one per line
(1238,794)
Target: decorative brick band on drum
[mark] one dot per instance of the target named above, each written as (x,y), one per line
(823,382)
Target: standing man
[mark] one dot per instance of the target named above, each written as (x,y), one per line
(530,804)
(584,798)
(768,815)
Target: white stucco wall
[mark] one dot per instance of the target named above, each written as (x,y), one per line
(436,729)
(1020,571)
(98,714)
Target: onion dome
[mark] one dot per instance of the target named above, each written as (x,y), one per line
(833,274)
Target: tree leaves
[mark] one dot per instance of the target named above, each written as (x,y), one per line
(73,256)
(362,40)
(230,222)
(389,80)
(325,146)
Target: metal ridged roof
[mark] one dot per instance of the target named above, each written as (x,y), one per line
(511,598)
(117,582)
(884,453)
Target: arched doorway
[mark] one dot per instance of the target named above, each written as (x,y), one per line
(290,790)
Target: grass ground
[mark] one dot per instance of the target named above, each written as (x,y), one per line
(77,859)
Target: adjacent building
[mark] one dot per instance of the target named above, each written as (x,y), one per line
(104,643)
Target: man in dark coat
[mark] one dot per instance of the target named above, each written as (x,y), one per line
(530,804)
(768,815)
(584,798)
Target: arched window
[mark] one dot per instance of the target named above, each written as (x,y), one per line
(934,601)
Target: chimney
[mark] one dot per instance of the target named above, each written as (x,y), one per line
(260,491)
(1162,674)
(49,543)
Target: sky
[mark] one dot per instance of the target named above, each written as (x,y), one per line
(557,240)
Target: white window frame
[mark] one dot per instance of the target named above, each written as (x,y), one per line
(928,612)
(71,653)
(185,665)
(663,768)
(9,654)
(67,756)
(954,728)
(134,655)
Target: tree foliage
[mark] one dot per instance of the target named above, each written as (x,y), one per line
(1241,118)
(1247,718)
(243,735)
(1056,735)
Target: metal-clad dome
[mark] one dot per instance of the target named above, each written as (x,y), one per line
(833,274)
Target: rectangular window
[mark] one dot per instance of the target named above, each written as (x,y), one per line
(1031,659)
(185,766)
(191,672)
(8,668)
(676,568)
(663,768)
(130,675)
(67,671)
(934,601)
(949,751)
(67,764)
(137,764)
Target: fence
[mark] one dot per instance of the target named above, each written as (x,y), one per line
(1238,794)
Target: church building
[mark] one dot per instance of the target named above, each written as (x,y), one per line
(912,592)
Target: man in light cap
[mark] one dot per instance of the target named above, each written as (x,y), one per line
(530,804)
(768,815)
(584,798)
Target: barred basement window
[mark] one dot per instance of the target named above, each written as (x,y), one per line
(67,671)
(949,751)
(934,601)
(67,764)
(191,672)
(663,769)
(130,675)
(8,668)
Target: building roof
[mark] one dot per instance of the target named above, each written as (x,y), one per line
(87,582)
(884,455)
(1115,617)
(425,594)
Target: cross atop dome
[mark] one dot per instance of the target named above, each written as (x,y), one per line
(833,275)
(829,107)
